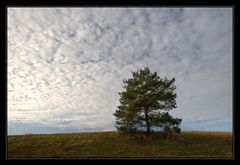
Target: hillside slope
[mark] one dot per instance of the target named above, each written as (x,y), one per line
(116,144)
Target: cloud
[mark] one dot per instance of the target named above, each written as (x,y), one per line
(66,65)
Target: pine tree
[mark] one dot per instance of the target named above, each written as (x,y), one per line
(146,102)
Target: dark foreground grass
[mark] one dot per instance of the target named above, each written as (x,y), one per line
(116,144)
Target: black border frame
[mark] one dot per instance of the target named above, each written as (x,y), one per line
(90,3)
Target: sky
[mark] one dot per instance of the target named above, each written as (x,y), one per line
(67,65)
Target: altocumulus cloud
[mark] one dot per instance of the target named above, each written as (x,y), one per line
(66,65)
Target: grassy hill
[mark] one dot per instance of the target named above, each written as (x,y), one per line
(116,144)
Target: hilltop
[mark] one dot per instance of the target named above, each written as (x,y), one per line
(117,144)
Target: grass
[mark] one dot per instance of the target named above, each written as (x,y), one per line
(117,144)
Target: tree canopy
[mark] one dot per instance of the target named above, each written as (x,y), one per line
(146,102)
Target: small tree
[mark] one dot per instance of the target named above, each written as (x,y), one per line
(146,101)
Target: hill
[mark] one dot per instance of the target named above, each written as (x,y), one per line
(117,144)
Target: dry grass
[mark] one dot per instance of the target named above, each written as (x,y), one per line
(116,144)
(227,134)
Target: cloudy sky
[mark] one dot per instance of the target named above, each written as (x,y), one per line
(66,65)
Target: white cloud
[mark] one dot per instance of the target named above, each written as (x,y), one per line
(66,65)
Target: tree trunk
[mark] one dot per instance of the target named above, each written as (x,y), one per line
(147,120)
